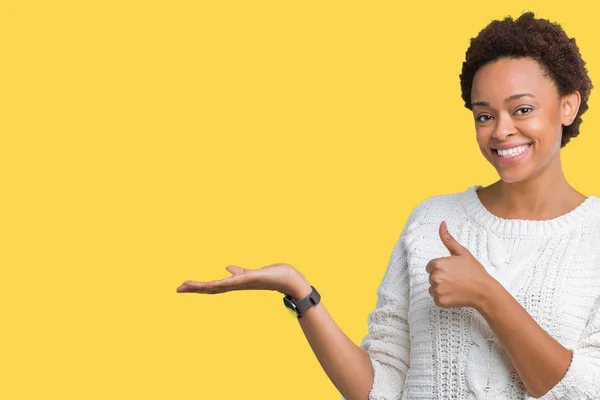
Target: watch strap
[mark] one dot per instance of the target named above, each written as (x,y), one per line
(307,302)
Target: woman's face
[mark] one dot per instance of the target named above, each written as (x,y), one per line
(517,109)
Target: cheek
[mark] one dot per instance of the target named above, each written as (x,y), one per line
(543,132)
(483,142)
(483,136)
(536,126)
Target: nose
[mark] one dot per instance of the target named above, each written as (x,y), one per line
(504,127)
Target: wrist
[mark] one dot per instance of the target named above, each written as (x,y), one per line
(490,297)
(299,288)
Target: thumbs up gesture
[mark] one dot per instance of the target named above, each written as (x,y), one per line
(458,280)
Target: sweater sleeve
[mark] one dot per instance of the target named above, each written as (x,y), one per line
(582,379)
(388,340)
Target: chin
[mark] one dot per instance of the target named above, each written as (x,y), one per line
(505,180)
(514,176)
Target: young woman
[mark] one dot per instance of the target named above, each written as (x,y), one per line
(490,293)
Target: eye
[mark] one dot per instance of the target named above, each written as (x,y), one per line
(525,110)
(483,118)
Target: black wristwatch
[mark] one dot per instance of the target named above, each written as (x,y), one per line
(298,308)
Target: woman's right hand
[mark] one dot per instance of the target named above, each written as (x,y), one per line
(347,365)
(281,277)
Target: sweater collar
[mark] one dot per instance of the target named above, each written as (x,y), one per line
(520,227)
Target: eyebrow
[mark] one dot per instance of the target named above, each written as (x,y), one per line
(511,98)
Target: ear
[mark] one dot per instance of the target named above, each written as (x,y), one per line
(569,106)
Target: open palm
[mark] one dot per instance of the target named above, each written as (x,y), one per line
(271,277)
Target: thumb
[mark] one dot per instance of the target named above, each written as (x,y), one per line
(455,248)
(235,270)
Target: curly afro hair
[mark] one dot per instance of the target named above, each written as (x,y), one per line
(537,39)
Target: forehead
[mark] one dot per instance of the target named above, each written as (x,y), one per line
(505,77)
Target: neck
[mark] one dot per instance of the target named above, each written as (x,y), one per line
(545,195)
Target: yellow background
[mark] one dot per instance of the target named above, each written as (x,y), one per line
(144,143)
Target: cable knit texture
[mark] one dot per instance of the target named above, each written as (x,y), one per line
(551,267)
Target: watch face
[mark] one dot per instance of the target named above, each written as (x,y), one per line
(290,307)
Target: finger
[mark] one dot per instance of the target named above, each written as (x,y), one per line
(455,248)
(235,270)
(191,286)
(236,282)
(436,263)
(232,282)
(201,289)
(432,281)
(429,267)
(433,264)
(431,292)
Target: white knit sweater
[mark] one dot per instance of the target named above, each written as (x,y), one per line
(552,267)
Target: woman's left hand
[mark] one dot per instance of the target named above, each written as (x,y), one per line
(458,280)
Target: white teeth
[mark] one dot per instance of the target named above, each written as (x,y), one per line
(513,152)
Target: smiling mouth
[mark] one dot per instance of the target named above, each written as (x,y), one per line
(513,157)
(522,149)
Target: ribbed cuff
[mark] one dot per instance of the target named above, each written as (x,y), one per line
(578,382)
